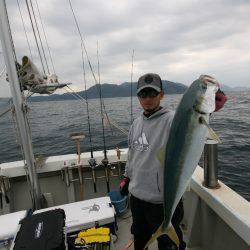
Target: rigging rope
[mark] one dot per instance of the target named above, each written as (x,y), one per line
(25,31)
(12,43)
(34,33)
(45,36)
(5,112)
(9,102)
(38,32)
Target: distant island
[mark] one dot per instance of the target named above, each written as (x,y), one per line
(111,90)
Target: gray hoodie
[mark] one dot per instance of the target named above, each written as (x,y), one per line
(146,137)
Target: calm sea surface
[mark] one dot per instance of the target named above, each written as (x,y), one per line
(52,122)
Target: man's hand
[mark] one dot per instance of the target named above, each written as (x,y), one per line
(124,186)
(220,97)
(220,100)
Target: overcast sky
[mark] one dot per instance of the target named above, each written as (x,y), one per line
(177,39)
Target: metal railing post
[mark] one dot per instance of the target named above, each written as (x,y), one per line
(210,164)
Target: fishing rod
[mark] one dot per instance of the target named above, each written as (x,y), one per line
(83,47)
(131,88)
(105,160)
(79,97)
(92,161)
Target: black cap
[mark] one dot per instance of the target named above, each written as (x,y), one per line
(149,80)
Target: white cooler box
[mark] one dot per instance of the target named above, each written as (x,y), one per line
(86,214)
(79,216)
(9,224)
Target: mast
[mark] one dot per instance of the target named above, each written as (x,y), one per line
(20,108)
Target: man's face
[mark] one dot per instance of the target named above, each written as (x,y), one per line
(150,99)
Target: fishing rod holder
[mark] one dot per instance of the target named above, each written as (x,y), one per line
(65,174)
(4,188)
(72,172)
(210,164)
(4,183)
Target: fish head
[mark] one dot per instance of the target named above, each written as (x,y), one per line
(205,100)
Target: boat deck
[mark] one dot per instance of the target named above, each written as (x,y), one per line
(221,212)
(124,235)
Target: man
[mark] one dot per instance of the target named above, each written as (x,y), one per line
(143,172)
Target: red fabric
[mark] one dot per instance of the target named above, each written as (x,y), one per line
(220,100)
(124,181)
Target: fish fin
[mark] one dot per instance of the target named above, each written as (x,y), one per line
(211,132)
(170,231)
(173,235)
(161,156)
(213,135)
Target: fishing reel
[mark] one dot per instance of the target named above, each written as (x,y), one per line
(92,162)
(105,162)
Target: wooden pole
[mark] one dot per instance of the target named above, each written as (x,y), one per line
(78,137)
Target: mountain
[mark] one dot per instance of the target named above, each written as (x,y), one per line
(239,88)
(111,90)
(122,90)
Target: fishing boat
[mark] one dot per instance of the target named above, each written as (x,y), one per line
(216,217)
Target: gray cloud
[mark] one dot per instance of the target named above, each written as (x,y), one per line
(177,39)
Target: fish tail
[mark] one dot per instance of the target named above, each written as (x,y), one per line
(170,231)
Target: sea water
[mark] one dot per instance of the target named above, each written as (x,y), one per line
(52,122)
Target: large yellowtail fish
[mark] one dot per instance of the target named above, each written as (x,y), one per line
(184,147)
